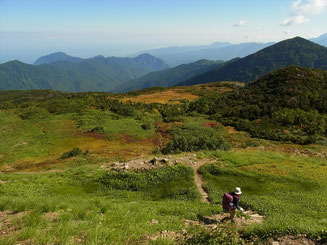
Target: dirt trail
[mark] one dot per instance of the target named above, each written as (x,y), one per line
(192,161)
(199,182)
(249,216)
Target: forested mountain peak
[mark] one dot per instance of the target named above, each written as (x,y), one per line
(296,51)
(55,57)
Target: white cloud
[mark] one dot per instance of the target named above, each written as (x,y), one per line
(240,23)
(296,20)
(286,32)
(303,10)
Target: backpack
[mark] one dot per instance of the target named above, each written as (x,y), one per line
(227,200)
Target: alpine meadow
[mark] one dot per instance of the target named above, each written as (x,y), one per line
(198,123)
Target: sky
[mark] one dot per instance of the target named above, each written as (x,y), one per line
(86,28)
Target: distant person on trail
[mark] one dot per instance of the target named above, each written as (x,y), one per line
(230,202)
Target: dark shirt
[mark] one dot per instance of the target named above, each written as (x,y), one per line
(235,200)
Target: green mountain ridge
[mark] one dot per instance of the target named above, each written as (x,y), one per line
(169,77)
(94,74)
(296,51)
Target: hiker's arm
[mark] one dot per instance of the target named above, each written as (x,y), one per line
(235,202)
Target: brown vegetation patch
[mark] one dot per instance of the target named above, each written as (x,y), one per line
(165,97)
(211,125)
(231,130)
(29,166)
(303,152)
(93,135)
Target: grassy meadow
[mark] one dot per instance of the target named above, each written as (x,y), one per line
(290,191)
(48,195)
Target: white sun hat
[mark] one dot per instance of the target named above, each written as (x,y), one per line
(238,191)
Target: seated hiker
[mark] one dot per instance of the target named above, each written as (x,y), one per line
(230,202)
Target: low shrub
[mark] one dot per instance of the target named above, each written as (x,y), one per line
(31,113)
(146,126)
(73,153)
(189,138)
(175,182)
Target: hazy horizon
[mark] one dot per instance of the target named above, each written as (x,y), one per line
(30,29)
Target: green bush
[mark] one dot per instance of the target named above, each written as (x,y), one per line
(175,182)
(189,138)
(35,113)
(73,153)
(146,126)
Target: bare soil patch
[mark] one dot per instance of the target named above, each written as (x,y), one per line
(290,240)
(7,226)
(52,216)
(214,221)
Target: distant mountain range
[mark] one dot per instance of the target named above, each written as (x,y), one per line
(55,57)
(169,77)
(322,40)
(224,51)
(60,71)
(94,74)
(175,56)
(295,51)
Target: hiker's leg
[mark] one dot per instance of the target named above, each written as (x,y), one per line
(232,213)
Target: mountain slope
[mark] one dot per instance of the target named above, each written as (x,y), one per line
(296,51)
(95,74)
(17,75)
(169,77)
(322,40)
(290,87)
(150,61)
(289,104)
(175,56)
(55,57)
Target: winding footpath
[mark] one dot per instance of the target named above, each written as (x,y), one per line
(199,182)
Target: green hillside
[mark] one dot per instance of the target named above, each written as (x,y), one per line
(87,168)
(169,77)
(95,74)
(296,51)
(288,105)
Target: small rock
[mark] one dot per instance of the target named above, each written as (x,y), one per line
(154,161)
(154,221)
(165,160)
(275,243)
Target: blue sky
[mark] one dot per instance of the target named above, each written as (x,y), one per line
(85,28)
